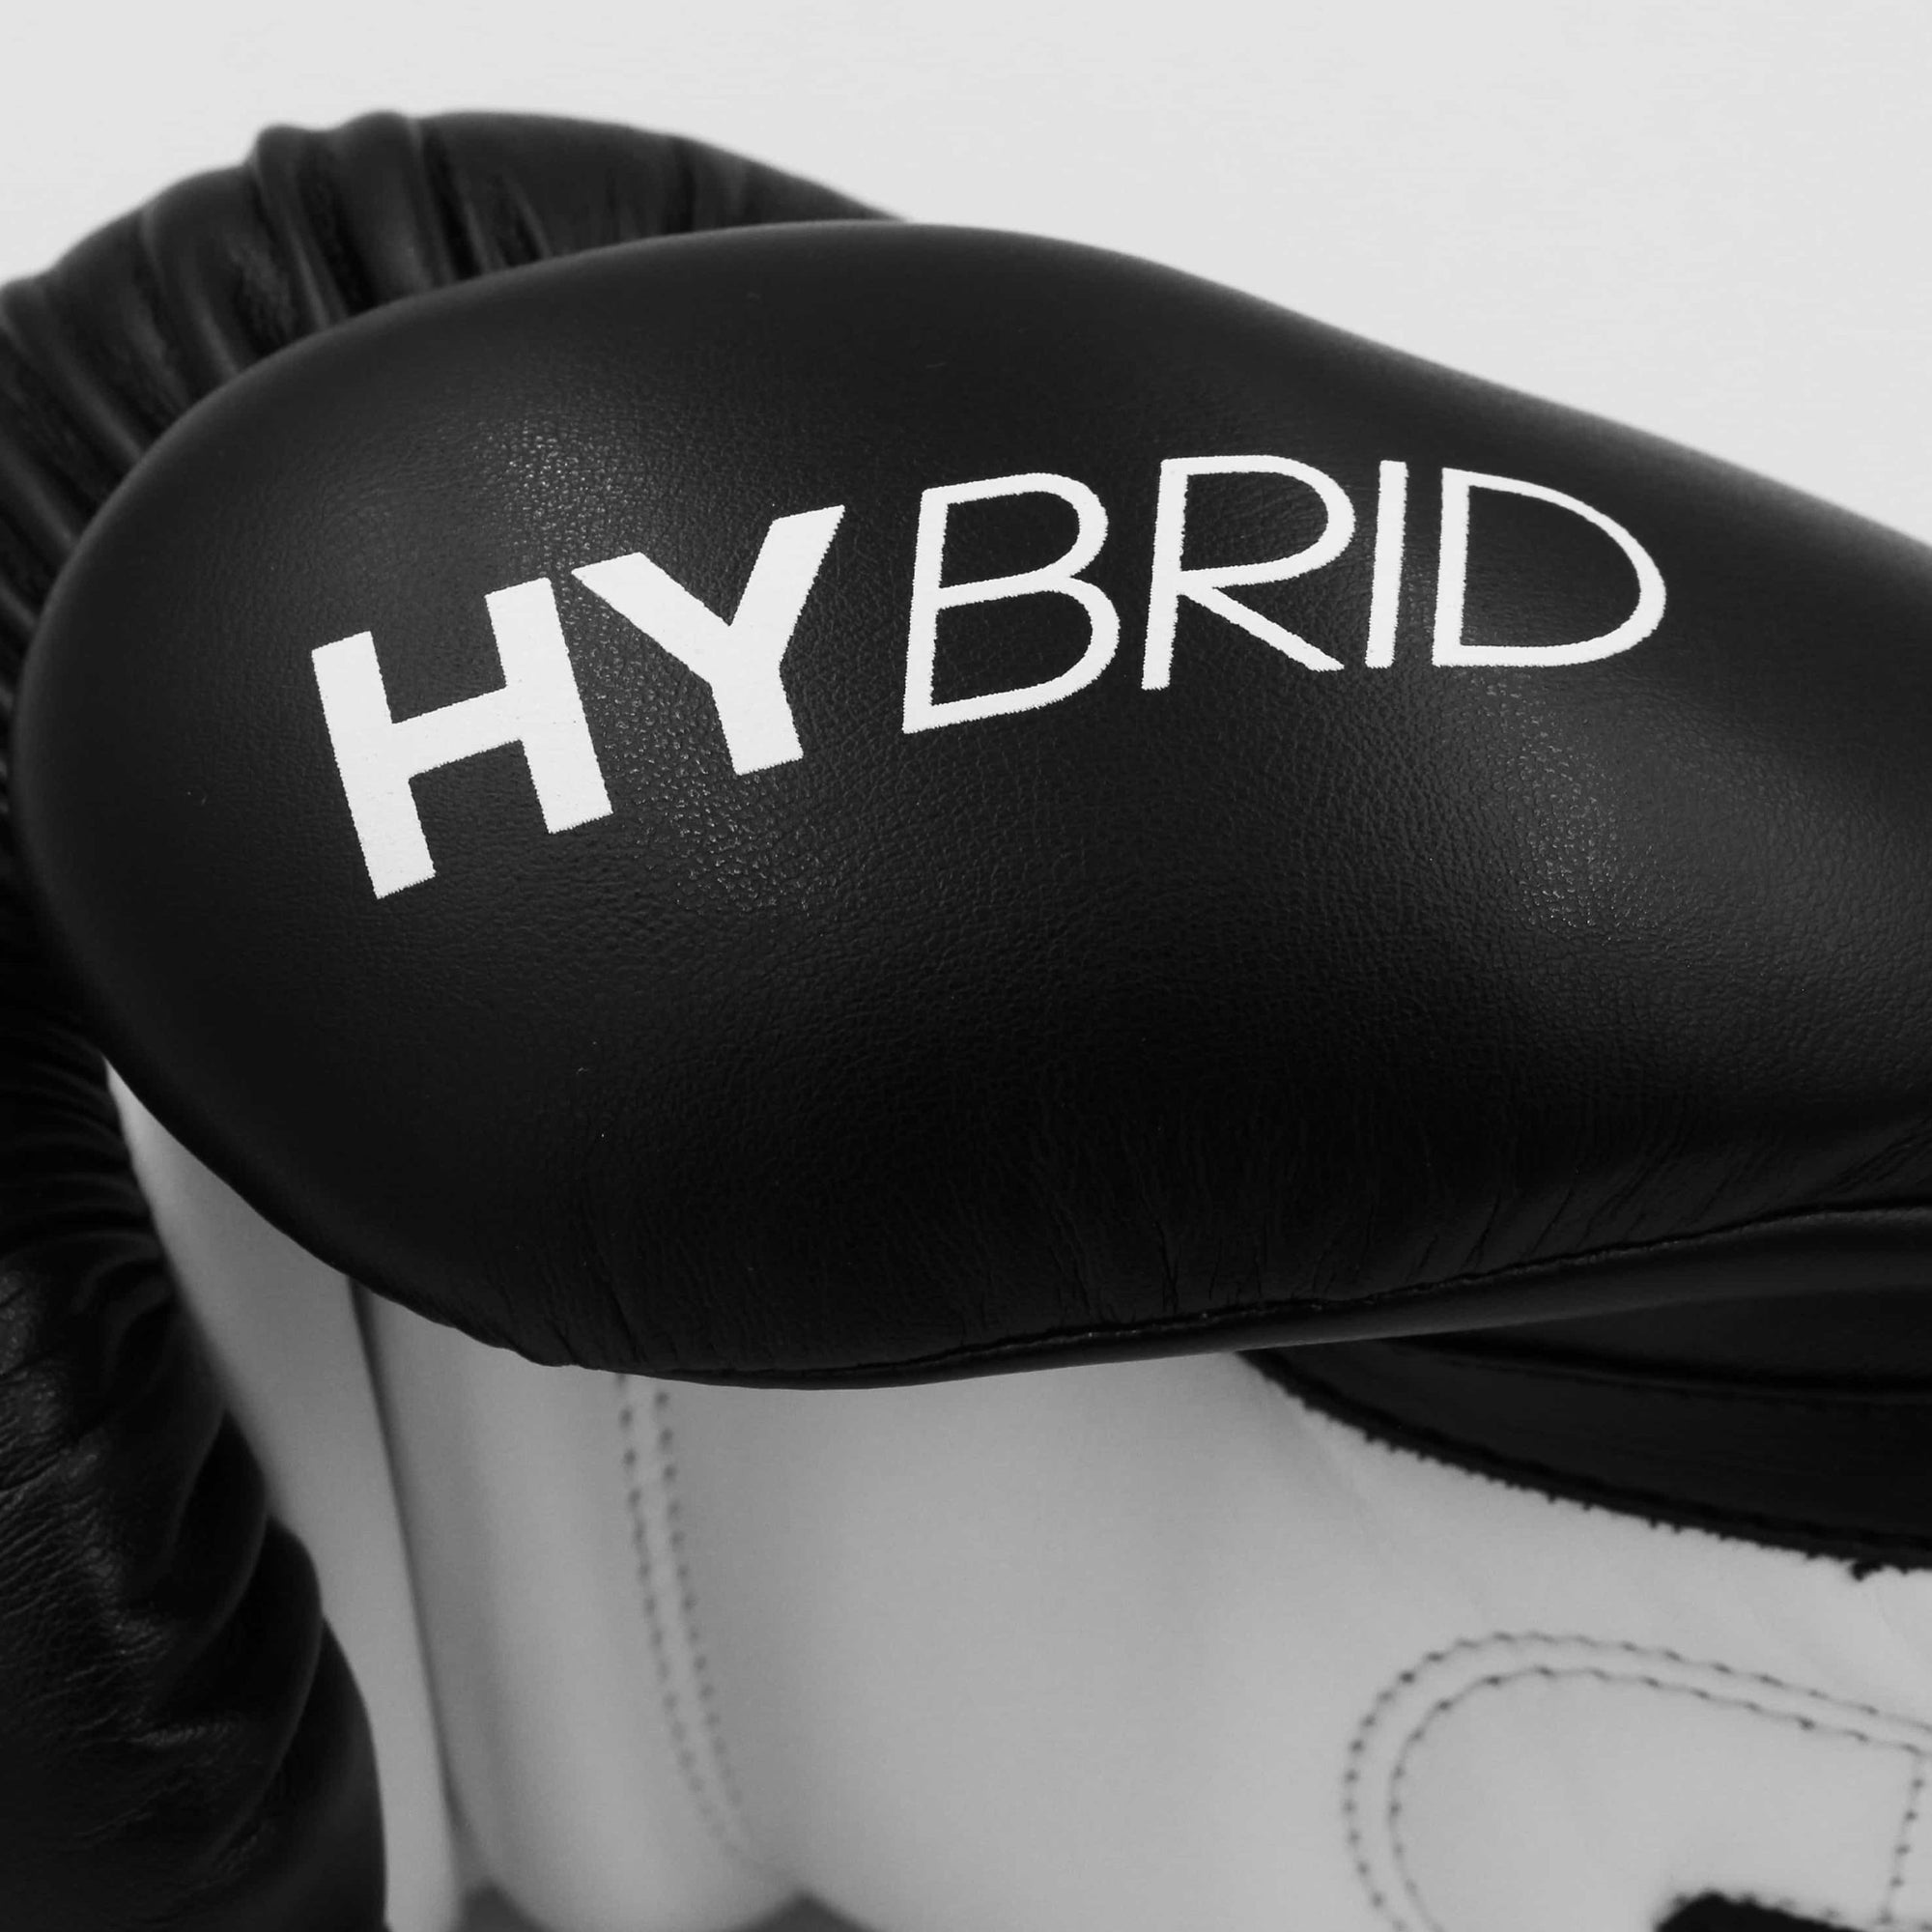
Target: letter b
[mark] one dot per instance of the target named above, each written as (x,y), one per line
(1061,579)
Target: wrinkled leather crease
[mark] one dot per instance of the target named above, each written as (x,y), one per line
(170,1689)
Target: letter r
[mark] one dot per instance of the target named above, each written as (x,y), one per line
(1171,581)
(537,706)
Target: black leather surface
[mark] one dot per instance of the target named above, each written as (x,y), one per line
(181,1744)
(1268,1005)
(1830,1464)
(1712,1913)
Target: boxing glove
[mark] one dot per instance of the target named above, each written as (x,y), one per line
(864,804)
(181,1744)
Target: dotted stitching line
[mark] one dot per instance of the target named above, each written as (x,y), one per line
(1555,1674)
(687,1603)
(720,1827)
(1515,1640)
(1902,1850)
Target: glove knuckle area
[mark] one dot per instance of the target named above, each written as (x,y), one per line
(1067,966)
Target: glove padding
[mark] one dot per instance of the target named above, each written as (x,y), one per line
(1032,809)
(184,1746)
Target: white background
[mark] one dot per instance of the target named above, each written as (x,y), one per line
(1708,217)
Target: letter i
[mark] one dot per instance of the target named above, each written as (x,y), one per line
(1385,591)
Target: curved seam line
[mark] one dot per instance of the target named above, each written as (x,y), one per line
(1500,1679)
(687,1605)
(718,1824)
(1244,1315)
(1352,1777)
(1901,1851)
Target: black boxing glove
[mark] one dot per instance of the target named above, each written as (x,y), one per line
(876,802)
(919,900)
(182,1745)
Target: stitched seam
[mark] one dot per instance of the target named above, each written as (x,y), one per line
(1353,1775)
(1553,1674)
(1618,1647)
(717,1823)
(1901,1851)
(687,1604)
(1246,1315)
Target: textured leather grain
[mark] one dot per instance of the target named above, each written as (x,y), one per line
(182,1747)
(1249,1003)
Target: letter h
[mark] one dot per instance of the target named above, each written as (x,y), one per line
(537,706)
